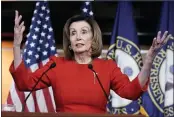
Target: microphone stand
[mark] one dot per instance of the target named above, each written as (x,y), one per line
(51,66)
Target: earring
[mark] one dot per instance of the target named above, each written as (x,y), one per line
(70,47)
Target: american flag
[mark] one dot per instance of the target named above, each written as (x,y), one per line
(87,9)
(40,45)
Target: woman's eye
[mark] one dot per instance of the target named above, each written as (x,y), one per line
(72,33)
(84,32)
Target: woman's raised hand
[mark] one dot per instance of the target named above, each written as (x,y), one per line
(18,30)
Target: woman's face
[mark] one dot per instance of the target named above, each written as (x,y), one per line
(80,36)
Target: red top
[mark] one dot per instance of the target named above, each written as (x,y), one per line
(74,86)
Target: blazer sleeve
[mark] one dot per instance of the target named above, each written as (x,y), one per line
(121,84)
(25,80)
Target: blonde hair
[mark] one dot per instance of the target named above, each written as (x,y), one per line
(97,44)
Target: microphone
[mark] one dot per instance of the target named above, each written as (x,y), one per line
(51,66)
(91,68)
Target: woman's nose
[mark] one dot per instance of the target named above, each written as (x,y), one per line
(78,37)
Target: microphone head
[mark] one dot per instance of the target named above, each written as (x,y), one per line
(90,66)
(53,65)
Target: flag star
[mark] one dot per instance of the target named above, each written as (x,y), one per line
(44,53)
(45,26)
(53,48)
(25,50)
(28,61)
(36,29)
(31,26)
(50,29)
(40,41)
(32,44)
(48,11)
(91,13)
(46,45)
(33,18)
(37,56)
(30,52)
(28,35)
(85,10)
(49,36)
(26,42)
(37,4)
(39,22)
(87,3)
(41,14)
(47,18)
(38,49)
(43,34)
(34,37)
(132,109)
(43,8)
(35,11)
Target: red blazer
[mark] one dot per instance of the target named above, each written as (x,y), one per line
(74,85)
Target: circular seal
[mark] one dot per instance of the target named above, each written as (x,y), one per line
(129,60)
(161,79)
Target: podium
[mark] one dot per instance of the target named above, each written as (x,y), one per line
(30,114)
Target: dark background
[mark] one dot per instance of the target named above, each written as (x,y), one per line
(146,15)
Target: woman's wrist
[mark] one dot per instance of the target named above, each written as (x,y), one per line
(147,64)
(16,45)
(149,60)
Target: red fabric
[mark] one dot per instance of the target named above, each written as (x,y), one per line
(74,85)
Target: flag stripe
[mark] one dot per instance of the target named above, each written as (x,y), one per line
(15,99)
(30,102)
(52,97)
(35,102)
(9,100)
(48,100)
(41,101)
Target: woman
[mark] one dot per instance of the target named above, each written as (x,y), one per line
(78,90)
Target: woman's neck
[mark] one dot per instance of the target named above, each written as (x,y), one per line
(82,58)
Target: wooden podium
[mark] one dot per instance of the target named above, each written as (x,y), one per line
(27,114)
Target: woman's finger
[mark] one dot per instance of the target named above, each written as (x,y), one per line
(158,36)
(166,39)
(20,26)
(16,14)
(164,36)
(17,21)
(154,41)
(23,28)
